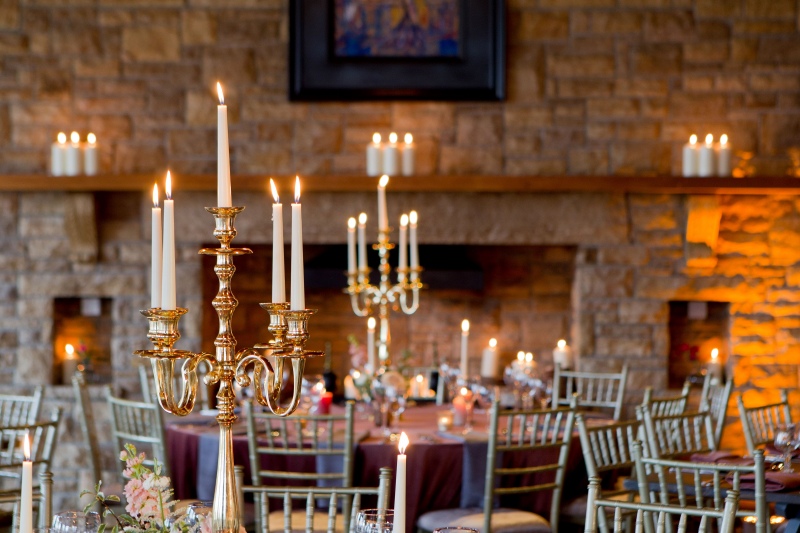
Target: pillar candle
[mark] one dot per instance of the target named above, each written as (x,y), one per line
(72,159)
(409,150)
(69,365)
(371,344)
(705,159)
(26,493)
(723,157)
(155,252)
(350,389)
(223,154)
(90,155)
(562,354)
(489,360)
(383,220)
(464,340)
(168,282)
(362,241)
(278,275)
(460,408)
(298,295)
(399,525)
(412,242)
(402,249)
(58,155)
(351,245)
(715,367)
(390,156)
(374,156)
(383,336)
(690,157)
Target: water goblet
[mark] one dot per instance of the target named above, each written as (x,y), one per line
(76,522)
(785,442)
(375,521)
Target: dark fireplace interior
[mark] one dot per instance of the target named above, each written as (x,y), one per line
(696,328)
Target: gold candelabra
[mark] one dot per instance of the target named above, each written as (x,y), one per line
(289,329)
(365,297)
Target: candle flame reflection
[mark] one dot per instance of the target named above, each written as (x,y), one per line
(403,443)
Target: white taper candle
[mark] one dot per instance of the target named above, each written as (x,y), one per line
(351,245)
(155,252)
(371,344)
(464,341)
(26,492)
(383,220)
(298,296)
(168,282)
(362,241)
(399,524)
(223,154)
(402,248)
(278,274)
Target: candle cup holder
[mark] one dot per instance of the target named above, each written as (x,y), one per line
(277,326)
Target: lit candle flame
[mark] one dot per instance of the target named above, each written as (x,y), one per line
(62,137)
(464,391)
(168,186)
(70,349)
(520,356)
(155,195)
(714,354)
(376,138)
(297,189)
(561,344)
(356,374)
(408,138)
(723,140)
(403,220)
(419,378)
(465,326)
(393,138)
(528,357)
(693,139)
(362,219)
(219,93)
(492,343)
(709,139)
(26,447)
(74,137)
(403,443)
(384,181)
(351,222)
(412,218)
(91,138)
(274,191)
(371,323)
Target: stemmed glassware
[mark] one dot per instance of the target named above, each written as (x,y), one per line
(76,522)
(375,521)
(786,440)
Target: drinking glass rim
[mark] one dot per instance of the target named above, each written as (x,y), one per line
(450,529)
(374,513)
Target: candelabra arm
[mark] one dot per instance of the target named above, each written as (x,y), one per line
(267,380)
(358,308)
(409,309)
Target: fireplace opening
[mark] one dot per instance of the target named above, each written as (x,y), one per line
(82,339)
(696,329)
(520,295)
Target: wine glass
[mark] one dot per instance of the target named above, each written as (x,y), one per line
(375,521)
(785,439)
(397,406)
(76,522)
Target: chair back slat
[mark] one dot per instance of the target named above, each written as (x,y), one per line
(667,405)
(17,410)
(595,390)
(88,426)
(714,398)
(760,422)
(670,436)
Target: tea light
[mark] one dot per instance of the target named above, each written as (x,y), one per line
(489,366)
(444,420)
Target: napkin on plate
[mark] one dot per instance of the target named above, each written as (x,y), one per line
(721,457)
(775,481)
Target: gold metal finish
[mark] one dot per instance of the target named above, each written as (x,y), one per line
(290,334)
(365,297)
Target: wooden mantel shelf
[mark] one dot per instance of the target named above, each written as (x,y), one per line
(467,183)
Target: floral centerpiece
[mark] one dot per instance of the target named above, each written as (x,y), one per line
(149,501)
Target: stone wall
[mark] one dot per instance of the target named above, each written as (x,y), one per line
(594,87)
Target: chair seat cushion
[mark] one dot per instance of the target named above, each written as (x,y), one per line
(299,521)
(503,520)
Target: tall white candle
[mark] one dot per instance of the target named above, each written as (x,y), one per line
(58,155)
(390,156)
(90,155)
(374,156)
(723,157)
(371,344)
(155,252)
(383,219)
(278,275)
(168,283)
(362,241)
(705,159)
(402,249)
(399,525)
(351,245)
(690,156)
(408,155)
(562,354)
(69,365)
(412,243)
(464,341)
(489,360)
(223,154)
(72,159)
(298,296)
(26,493)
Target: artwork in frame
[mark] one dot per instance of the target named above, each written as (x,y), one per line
(397,49)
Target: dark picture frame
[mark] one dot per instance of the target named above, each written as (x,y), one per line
(476,73)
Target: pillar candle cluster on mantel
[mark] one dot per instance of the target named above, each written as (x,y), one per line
(391,158)
(708,159)
(73,158)
(163,279)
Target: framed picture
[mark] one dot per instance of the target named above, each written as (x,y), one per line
(397,49)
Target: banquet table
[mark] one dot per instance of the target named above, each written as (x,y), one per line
(439,464)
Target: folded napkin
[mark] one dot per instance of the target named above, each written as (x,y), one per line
(721,457)
(774,481)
